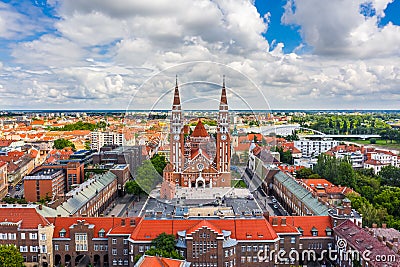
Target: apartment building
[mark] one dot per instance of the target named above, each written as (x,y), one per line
(99,139)
(44,183)
(312,148)
(30,232)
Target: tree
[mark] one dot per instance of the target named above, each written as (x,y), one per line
(132,188)
(62,143)
(337,171)
(372,215)
(87,145)
(304,173)
(10,256)
(390,175)
(147,177)
(164,245)
(159,163)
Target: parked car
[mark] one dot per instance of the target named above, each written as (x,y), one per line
(273,200)
(275,206)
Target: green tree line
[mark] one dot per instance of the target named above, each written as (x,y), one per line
(80,125)
(377,197)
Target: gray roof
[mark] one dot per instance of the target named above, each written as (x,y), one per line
(302,194)
(85,192)
(80,196)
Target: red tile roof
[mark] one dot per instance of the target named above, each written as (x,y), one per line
(306,223)
(241,229)
(109,224)
(5,143)
(154,261)
(200,130)
(29,217)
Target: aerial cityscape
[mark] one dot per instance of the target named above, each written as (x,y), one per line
(204,133)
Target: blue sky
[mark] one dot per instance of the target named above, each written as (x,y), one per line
(309,54)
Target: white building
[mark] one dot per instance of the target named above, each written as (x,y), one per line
(312,148)
(100,139)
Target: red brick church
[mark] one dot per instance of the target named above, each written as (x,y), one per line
(198,159)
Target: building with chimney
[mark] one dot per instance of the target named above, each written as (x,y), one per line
(194,161)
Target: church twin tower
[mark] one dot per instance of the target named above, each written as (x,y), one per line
(198,159)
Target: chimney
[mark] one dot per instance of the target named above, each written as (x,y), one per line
(123,222)
(58,215)
(383,225)
(133,222)
(113,215)
(283,221)
(40,207)
(275,221)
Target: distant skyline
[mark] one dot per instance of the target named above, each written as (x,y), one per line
(301,54)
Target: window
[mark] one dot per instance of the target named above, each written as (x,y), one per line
(33,248)
(114,241)
(32,236)
(56,247)
(23,248)
(243,248)
(96,247)
(42,236)
(248,248)
(293,240)
(126,262)
(114,251)
(243,259)
(125,251)
(66,247)
(114,262)
(22,235)
(12,236)
(125,241)
(43,249)
(3,236)
(81,243)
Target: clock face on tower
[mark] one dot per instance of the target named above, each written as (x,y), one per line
(176,137)
(223,137)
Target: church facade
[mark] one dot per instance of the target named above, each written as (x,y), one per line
(199,160)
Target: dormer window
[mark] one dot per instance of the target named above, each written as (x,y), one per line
(301,231)
(101,232)
(314,231)
(62,232)
(328,231)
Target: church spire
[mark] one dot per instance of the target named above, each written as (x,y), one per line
(177,99)
(224,100)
